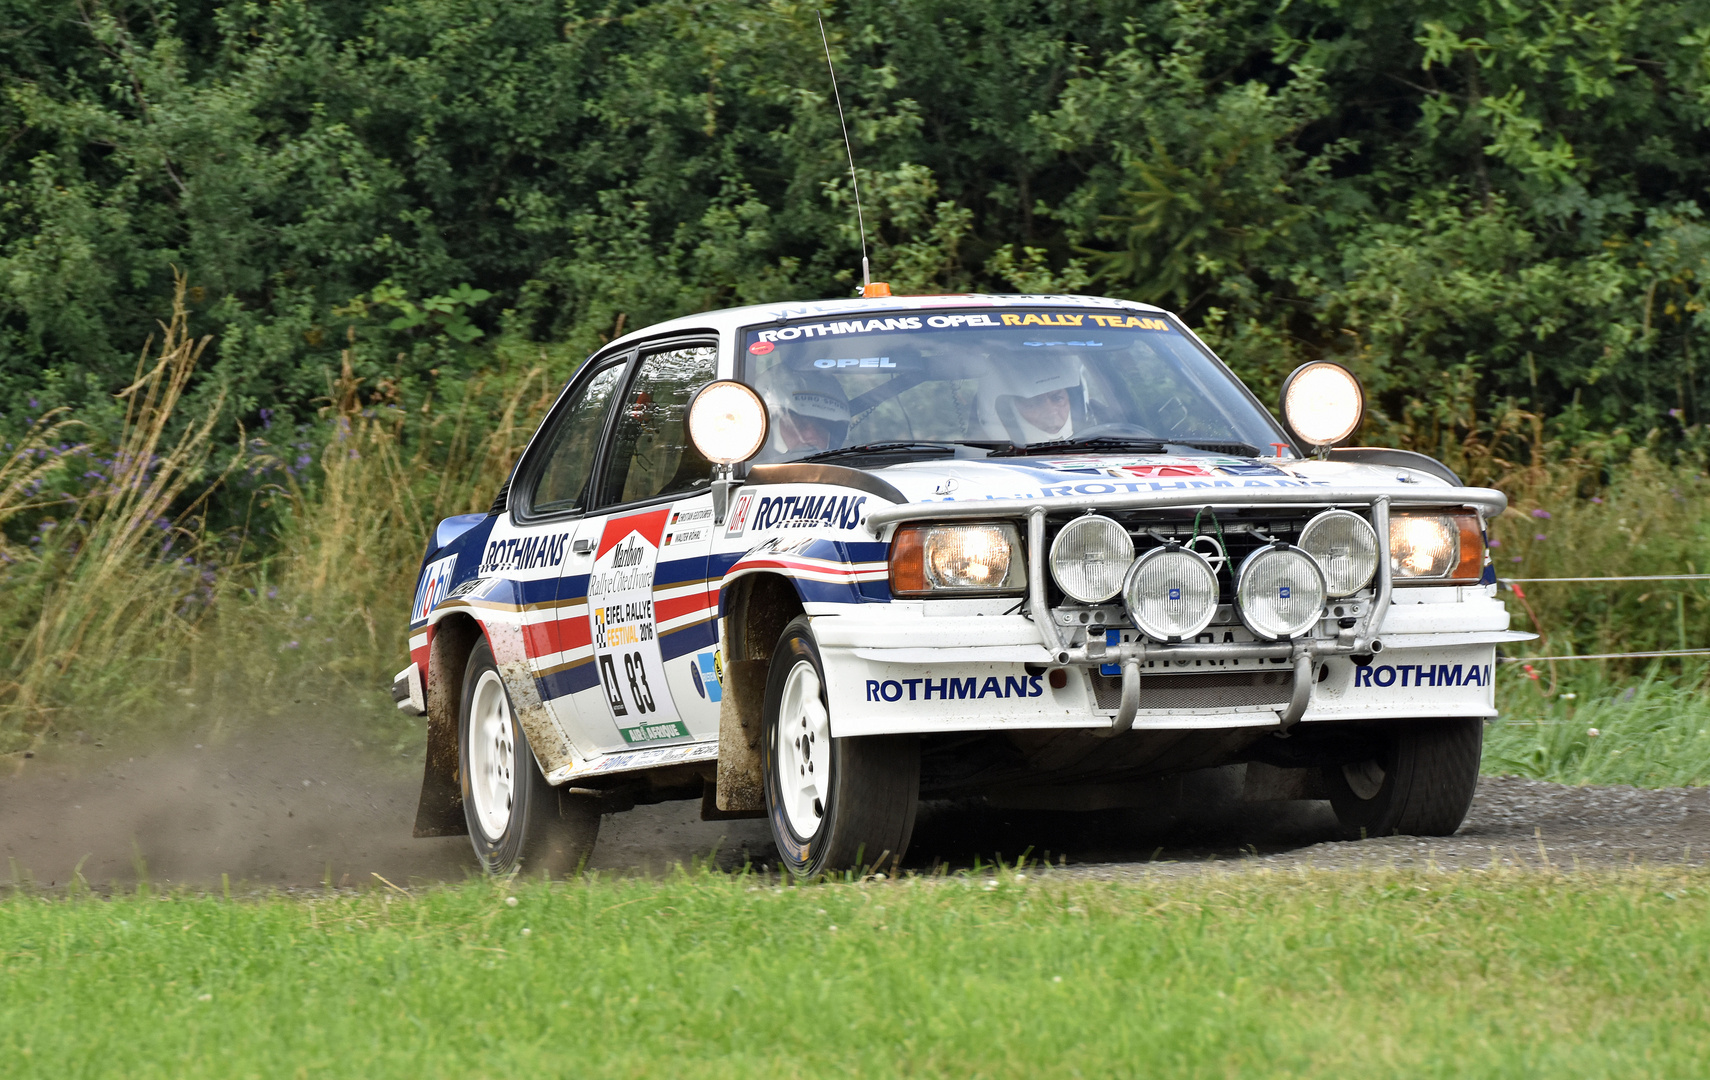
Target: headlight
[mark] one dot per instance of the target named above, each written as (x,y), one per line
(1171,593)
(1346,549)
(928,560)
(1435,548)
(1280,592)
(1090,557)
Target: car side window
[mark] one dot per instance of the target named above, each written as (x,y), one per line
(650,451)
(562,482)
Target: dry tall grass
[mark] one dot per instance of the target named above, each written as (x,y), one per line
(115,571)
(121,604)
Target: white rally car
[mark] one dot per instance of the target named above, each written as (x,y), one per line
(819,561)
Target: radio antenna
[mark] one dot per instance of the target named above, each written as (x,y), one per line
(854,183)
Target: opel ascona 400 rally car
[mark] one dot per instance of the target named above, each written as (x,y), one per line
(820,561)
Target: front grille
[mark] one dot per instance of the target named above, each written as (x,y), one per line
(1186,693)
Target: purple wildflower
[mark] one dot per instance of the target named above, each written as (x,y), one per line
(1494,542)
(1516,558)
(266,419)
(1539,536)
(1596,500)
(1674,413)
(1544,514)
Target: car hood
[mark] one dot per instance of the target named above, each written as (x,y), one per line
(1072,475)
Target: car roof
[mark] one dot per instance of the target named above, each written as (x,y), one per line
(730,319)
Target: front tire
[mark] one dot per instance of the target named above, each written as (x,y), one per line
(834,804)
(517,821)
(1421,782)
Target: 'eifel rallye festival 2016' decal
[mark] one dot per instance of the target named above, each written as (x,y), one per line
(626,639)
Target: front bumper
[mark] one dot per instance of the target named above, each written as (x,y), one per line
(898,674)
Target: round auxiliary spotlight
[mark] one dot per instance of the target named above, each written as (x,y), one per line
(1346,549)
(727,422)
(1279,592)
(1089,558)
(1322,404)
(1170,593)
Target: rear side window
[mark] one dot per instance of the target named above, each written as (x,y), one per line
(562,482)
(650,451)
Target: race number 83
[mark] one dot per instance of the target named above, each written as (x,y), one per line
(636,673)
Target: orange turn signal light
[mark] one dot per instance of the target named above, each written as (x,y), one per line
(908,562)
(1471,566)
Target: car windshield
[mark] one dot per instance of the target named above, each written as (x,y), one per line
(996,379)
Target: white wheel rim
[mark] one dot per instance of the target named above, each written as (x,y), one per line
(492,755)
(804,750)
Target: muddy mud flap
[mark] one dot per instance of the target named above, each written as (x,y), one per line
(440,810)
(740,788)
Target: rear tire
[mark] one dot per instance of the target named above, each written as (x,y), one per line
(517,821)
(1420,784)
(834,804)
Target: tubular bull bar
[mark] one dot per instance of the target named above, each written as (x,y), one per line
(1302,652)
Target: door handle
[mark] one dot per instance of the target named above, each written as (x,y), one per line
(582,547)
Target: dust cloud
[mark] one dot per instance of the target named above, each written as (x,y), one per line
(292,804)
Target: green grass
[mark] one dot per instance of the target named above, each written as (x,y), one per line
(1588,726)
(1294,974)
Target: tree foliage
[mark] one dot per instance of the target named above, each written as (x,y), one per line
(1482,206)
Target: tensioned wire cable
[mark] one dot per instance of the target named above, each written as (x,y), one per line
(1629,577)
(1650,654)
(1605,656)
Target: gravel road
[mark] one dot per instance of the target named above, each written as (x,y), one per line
(302,805)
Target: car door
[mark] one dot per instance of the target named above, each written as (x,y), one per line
(550,496)
(652,618)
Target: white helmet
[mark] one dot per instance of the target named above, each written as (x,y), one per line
(814,395)
(1011,381)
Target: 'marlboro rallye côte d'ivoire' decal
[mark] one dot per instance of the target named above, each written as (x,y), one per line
(625,631)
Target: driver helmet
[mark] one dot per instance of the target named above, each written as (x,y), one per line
(1020,401)
(808,408)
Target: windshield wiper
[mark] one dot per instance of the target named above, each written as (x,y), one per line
(1097,442)
(1232,447)
(903,446)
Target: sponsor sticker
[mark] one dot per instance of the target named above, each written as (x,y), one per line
(737,524)
(646,733)
(808,512)
(529,552)
(761,348)
(625,635)
(1417,676)
(949,688)
(704,671)
(434,586)
(1113,320)
(855,362)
